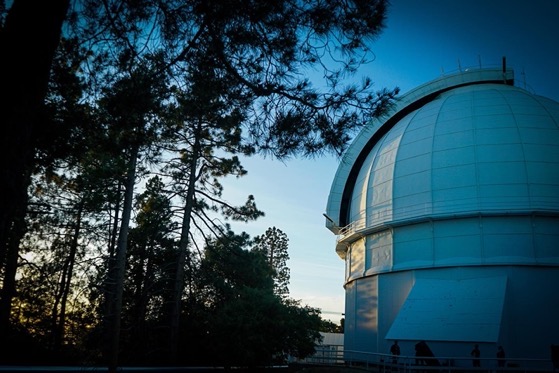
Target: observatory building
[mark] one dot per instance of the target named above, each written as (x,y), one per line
(446,213)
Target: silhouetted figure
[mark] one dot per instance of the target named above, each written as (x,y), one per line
(500,357)
(555,356)
(419,360)
(395,351)
(476,354)
(424,355)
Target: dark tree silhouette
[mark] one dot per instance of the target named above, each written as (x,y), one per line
(264,51)
(28,40)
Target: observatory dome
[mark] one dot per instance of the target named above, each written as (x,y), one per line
(461,145)
(479,148)
(446,213)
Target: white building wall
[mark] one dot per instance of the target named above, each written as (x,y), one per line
(361,327)
(530,295)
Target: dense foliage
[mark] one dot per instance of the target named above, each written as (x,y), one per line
(121,119)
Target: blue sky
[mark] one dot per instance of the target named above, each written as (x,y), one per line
(423,40)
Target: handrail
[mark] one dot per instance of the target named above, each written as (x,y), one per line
(360,224)
(403,364)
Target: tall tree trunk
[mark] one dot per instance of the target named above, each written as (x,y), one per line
(111,265)
(9,285)
(143,286)
(59,318)
(116,277)
(140,278)
(113,232)
(182,254)
(28,41)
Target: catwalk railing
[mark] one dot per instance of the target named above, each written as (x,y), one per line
(403,364)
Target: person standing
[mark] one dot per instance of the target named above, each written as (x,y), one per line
(500,357)
(395,351)
(476,354)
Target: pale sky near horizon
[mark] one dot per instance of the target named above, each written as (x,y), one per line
(423,40)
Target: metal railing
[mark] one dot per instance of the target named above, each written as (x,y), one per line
(365,222)
(405,364)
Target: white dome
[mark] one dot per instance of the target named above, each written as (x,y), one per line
(467,147)
(447,216)
(489,147)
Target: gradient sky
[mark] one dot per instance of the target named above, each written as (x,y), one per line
(423,40)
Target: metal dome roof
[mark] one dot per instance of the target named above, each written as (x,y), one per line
(463,144)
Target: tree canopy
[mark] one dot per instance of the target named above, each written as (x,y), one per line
(120,121)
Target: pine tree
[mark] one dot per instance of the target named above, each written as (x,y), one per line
(264,52)
(206,140)
(273,244)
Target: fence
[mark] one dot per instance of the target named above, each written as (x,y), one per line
(385,363)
